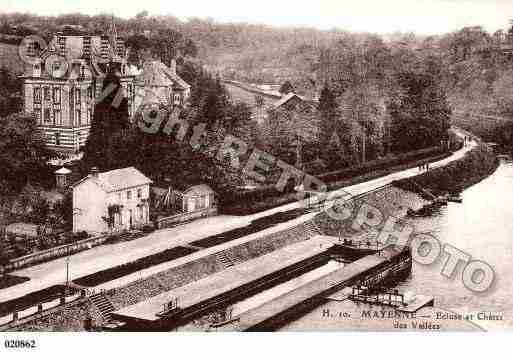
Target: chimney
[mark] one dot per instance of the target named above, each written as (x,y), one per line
(94,172)
(173,66)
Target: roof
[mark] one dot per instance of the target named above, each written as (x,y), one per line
(118,179)
(63,171)
(286,99)
(155,73)
(174,76)
(199,189)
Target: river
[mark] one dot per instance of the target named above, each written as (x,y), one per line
(481,226)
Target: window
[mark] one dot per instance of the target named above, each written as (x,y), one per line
(37,112)
(56,67)
(90,92)
(56,95)
(139,193)
(37,95)
(57,139)
(128,195)
(47,93)
(201,202)
(78,117)
(46,117)
(176,98)
(77,96)
(57,117)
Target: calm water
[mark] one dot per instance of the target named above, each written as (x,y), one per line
(481,226)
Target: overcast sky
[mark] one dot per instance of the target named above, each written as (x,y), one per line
(381,16)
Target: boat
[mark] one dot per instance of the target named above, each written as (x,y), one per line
(455,198)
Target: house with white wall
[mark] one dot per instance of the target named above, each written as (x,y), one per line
(111,201)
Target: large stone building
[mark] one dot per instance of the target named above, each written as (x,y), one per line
(111,201)
(62,81)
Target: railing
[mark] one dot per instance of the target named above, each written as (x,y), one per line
(16,316)
(185,217)
(52,253)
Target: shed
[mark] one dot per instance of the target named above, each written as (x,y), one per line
(61,177)
(197,198)
(20,229)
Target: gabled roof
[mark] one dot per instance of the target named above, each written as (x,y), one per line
(118,179)
(286,99)
(174,76)
(155,73)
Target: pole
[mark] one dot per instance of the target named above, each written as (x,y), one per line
(363,145)
(67,271)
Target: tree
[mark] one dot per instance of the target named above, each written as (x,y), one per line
(23,154)
(328,112)
(110,116)
(63,211)
(10,93)
(419,112)
(510,33)
(286,88)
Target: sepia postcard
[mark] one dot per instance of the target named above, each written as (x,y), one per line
(242,166)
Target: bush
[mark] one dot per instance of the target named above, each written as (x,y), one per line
(81,235)
(147,228)
(252,201)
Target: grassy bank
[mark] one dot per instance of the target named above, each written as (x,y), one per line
(476,165)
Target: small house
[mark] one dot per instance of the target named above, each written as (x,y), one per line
(188,203)
(111,201)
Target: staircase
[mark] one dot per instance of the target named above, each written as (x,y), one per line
(103,305)
(310,229)
(224,258)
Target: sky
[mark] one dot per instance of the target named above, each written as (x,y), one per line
(376,16)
